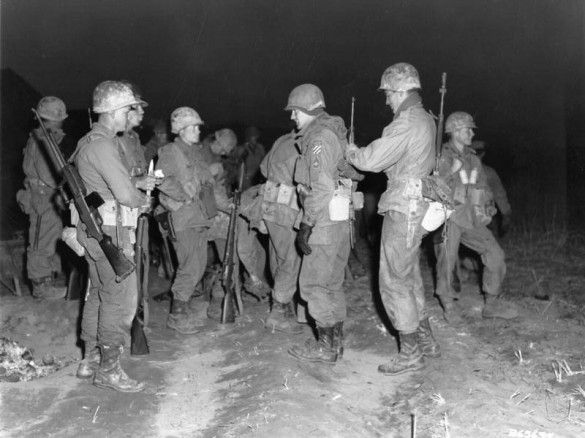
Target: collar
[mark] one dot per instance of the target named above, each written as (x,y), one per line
(466,149)
(100,128)
(412,100)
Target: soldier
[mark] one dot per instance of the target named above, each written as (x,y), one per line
(159,139)
(188,193)
(251,153)
(323,236)
(40,201)
(499,194)
(464,173)
(110,305)
(406,154)
(280,211)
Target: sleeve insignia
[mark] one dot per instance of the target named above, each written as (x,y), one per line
(317,147)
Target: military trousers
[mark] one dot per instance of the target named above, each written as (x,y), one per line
(479,239)
(285,261)
(250,250)
(191,250)
(43,233)
(400,281)
(322,274)
(109,306)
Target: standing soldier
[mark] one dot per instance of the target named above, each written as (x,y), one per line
(38,200)
(406,154)
(280,211)
(188,194)
(323,236)
(463,172)
(110,305)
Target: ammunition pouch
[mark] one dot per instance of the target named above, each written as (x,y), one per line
(207,199)
(281,194)
(113,214)
(483,206)
(164,218)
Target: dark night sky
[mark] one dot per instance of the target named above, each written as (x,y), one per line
(517,66)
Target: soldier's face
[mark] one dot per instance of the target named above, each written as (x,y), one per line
(301,118)
(394,99)
(464,136)
(135,117)
(191,134)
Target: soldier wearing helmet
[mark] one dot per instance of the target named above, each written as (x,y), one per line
(189,194)
(323,237)
(462,169)
(38,201)
(251,152)
(110,305)
(406,154)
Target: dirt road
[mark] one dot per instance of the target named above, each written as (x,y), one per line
(494,379)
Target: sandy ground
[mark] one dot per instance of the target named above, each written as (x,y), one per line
(495,378)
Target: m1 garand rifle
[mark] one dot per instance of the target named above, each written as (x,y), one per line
(139,343)
(440,123)
(87,206)
(351,140)
(228,274)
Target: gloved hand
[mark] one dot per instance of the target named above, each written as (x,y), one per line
(146,182)
(302,239)
(346,170)
(506,223)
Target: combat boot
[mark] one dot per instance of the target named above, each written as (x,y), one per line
(111,375)
(338,339)
(497,308)
(181,320)
(44,288)
(282,319)
(88,366)
(409,359)
(256,286)
(426,341)
(320,350)
(451,311)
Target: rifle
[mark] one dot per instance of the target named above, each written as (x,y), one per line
(439,138)
(228,279)
(139,343)
(87,206)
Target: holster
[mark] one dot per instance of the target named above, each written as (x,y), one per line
(165,221)
(207,199)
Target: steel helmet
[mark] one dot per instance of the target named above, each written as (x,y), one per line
(306,97)
(136,92)
(183,117)
(52,108)
(400,77)
(226,138)
(458,120)
(112,95)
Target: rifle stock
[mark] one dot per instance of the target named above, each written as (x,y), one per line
(86,206)
(228,313)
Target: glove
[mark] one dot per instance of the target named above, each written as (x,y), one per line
(346,170)
(302,239)
(506,223)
